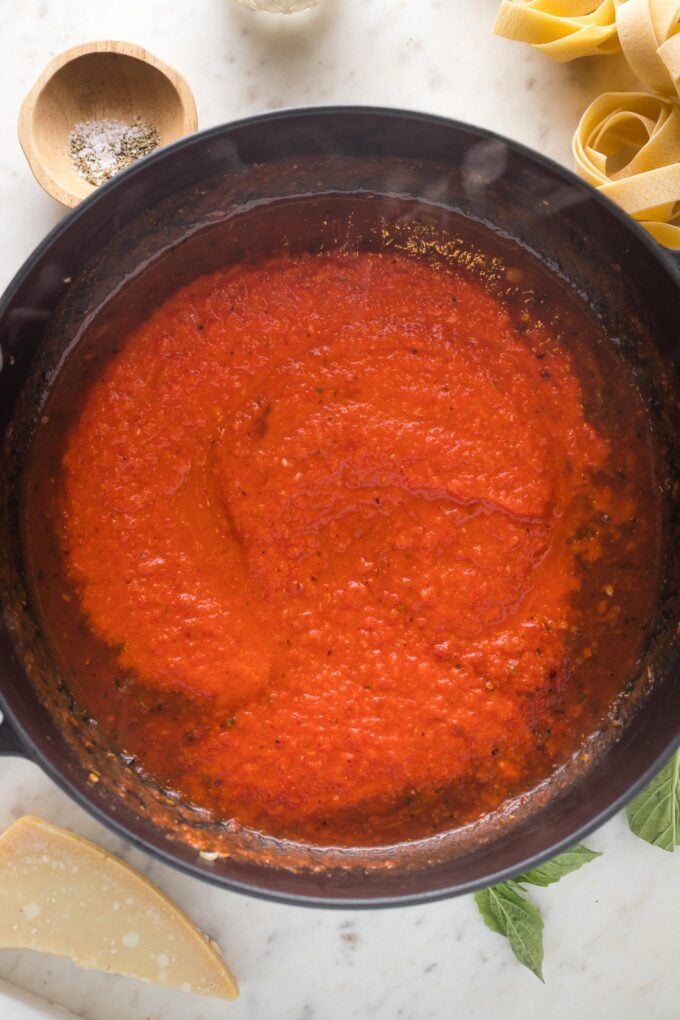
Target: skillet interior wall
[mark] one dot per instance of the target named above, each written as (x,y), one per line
(548,219)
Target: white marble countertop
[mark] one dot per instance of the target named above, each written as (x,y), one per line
(612,930)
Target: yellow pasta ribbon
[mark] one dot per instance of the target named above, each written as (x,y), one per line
(562,29)
(627,144)
(649,33)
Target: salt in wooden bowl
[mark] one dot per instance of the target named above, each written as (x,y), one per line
(98,81)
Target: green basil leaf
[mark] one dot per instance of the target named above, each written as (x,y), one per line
(558,867)
(654,815)
(508,913)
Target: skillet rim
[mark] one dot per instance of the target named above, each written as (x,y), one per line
(13,737)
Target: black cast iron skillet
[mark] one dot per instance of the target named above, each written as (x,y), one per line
(137,229)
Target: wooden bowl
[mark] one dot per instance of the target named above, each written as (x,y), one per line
(98,81)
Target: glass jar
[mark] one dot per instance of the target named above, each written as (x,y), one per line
(279,6)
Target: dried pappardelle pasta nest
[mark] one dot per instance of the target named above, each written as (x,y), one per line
(644,130)
(562,29)
(627,143)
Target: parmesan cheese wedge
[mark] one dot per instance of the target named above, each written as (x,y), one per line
(64,895)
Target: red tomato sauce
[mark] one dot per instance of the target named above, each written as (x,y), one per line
(355,547)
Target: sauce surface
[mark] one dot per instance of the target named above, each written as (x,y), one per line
(359,536)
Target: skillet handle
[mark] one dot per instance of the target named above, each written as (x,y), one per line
(10,742)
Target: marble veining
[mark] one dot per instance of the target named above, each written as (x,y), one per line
(612,930)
